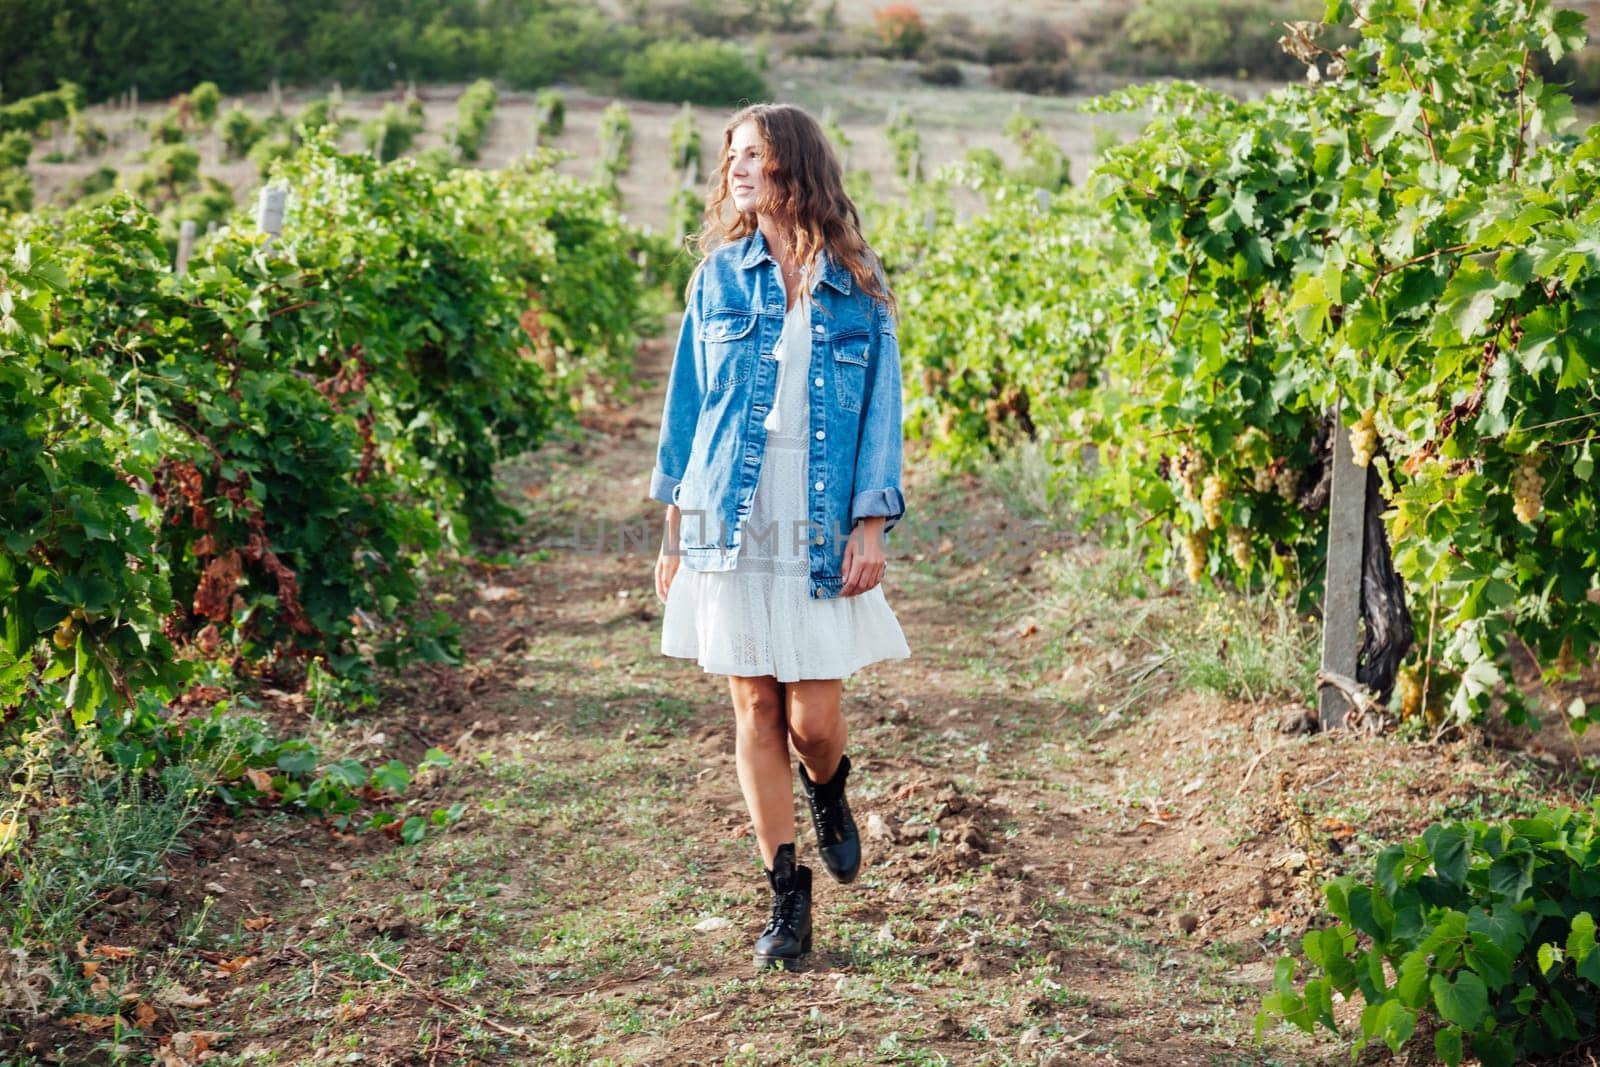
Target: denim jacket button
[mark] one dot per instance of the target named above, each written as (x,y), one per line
(821,435)
(817,383)
(816,329)
(819,487)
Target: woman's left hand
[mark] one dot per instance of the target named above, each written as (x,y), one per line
(863,557)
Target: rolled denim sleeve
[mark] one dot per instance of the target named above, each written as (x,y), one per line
(878,457)
(686,388)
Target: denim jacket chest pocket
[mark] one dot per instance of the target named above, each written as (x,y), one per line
(849,345)
(725,338)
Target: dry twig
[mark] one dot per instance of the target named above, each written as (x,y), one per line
(453,1006)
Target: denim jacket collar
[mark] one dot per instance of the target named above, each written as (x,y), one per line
(831,274)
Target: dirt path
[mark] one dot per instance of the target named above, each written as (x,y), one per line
(1069,860)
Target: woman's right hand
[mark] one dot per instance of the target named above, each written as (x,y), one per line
(667,562)
(666,569)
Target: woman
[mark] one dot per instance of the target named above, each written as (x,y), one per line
(779,464)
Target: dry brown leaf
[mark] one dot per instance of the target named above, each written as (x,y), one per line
(190,1047)
(144,1016)
(259,922)
(209,639)
(1027,628)
(91,968)
(234,966)
(92,1024)
(217,583)
(115,952)
(349,1013)
(260,779)
(175,996)
(197,1041)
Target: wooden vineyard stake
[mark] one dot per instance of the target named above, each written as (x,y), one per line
(1341,604)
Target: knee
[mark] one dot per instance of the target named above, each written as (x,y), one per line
(813,728)
(758,719)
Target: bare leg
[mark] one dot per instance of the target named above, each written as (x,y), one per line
(816,725)
(761,752)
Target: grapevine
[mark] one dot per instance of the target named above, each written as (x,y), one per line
(259,396)
(1390,238)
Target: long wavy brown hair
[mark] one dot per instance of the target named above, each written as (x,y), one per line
(805,198)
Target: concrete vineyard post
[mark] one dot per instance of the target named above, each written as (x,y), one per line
(185,247)
(269,211)
(1341,607)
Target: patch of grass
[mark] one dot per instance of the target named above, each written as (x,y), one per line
(95,829)
(1027,479)
(1249,648)
(1120,639)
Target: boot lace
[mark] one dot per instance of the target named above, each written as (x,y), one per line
(786,908)
(832,817)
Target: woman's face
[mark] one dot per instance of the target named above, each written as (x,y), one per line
(747,182)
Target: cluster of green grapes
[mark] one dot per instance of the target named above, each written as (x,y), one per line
(1190,466)
(1194,554)
(1277,477)
(1239,548)
(1363,439)
(1286,482)
(1527,489)
(1211,497)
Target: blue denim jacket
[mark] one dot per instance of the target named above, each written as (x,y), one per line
(723,383)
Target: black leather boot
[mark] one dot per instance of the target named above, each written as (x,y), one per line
(787,936)
(837,840)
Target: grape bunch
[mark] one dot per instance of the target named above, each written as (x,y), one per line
(1194,554)
(1287,483)
(1190,467)
(1211,498)
(1363,439)
(1527,489)
(1239,548)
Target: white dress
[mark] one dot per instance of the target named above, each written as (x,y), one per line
(760,618)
